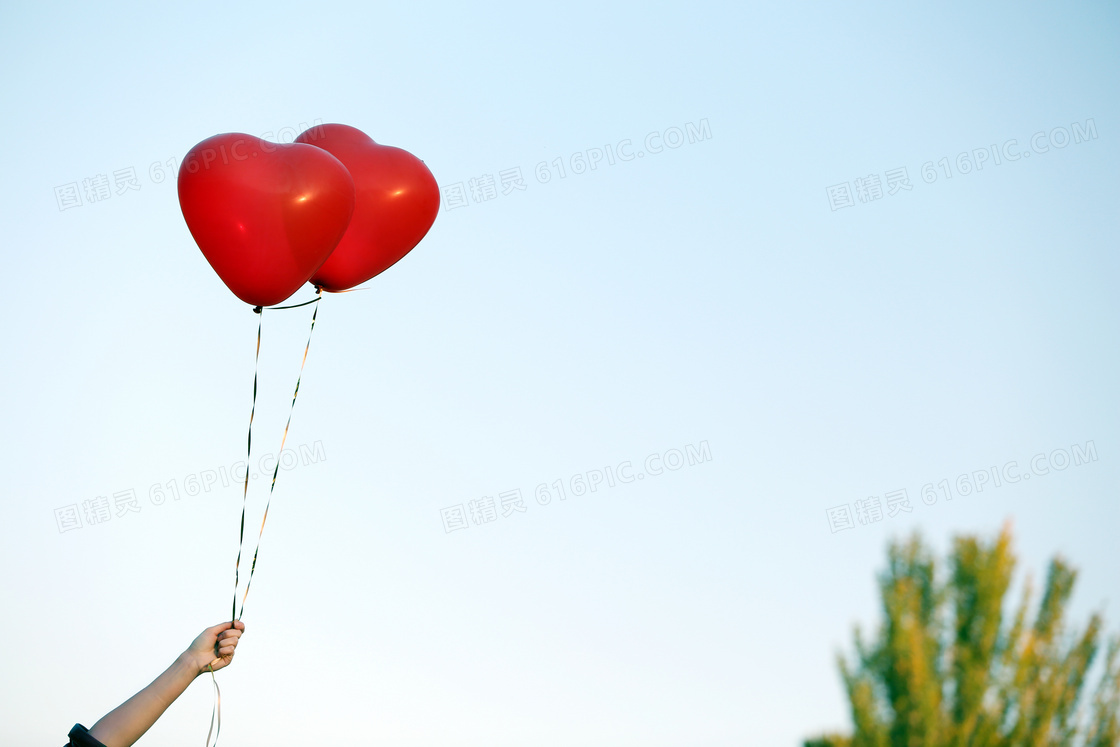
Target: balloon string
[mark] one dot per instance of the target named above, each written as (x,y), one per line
(216,711)
(296,305)
(276,471)
(249,453)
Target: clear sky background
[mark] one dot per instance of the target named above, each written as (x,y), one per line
(710,295)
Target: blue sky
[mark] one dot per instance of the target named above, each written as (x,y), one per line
(716,295)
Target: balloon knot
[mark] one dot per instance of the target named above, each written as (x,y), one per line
(256,309)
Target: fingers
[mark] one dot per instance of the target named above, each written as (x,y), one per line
(227,642)
(237,625)
(216,641)
(214,630)
(221,639)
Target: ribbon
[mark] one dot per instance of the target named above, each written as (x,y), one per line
(216,713)
(276,471)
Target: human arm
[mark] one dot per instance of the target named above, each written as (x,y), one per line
(212,649)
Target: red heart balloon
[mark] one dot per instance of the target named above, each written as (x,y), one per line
(266,216)
(397,200)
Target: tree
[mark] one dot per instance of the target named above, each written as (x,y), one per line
(946,670)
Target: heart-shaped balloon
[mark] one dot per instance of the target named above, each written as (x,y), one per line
(396,202)
(266,216)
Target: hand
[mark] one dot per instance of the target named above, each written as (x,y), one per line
(213,649)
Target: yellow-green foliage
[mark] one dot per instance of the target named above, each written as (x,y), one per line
(946,670)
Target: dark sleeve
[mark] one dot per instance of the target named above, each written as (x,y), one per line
(80,737)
